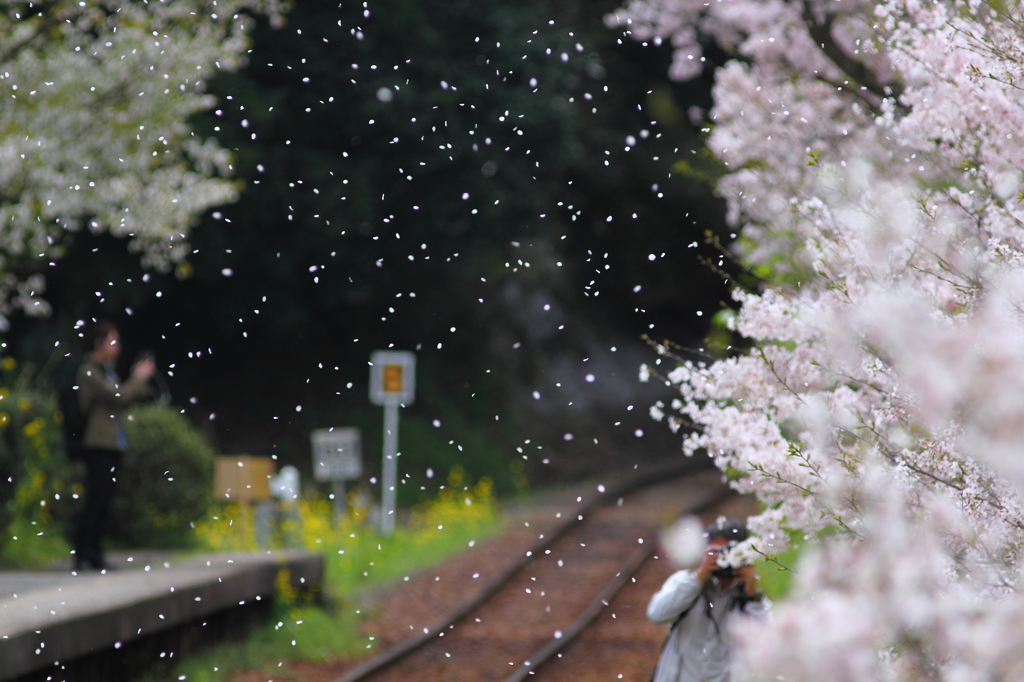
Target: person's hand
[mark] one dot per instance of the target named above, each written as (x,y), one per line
(748,575)
(144,369)
(709,564)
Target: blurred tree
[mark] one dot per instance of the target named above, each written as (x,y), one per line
(444,177)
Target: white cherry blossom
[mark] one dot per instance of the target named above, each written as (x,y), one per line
(94,102)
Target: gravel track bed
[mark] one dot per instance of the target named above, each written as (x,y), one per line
(622,644)
(540,600)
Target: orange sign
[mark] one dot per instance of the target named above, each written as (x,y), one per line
(392,378)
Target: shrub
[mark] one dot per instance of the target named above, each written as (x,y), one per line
(37,482)
(166,481)
(479,452)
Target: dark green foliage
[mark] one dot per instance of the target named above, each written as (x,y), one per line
(353,233)
(38,484)
(458,444)
(166,481)
(350,206)
(352,201)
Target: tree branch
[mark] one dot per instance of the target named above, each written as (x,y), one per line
(822,35)
(45,25)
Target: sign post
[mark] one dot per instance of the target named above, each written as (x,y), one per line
(337,457)
(392,383)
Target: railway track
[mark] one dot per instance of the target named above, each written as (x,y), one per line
(517,625)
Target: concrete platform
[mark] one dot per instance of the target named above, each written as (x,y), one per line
(50,619)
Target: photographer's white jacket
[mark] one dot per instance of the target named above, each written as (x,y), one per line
(699,647)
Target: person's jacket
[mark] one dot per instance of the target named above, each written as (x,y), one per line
(102,397)
(699,646)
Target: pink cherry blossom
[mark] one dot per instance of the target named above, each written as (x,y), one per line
(874,154)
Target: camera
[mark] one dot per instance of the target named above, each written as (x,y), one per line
(724,572)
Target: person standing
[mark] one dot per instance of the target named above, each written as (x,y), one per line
(700,604)
(102,398)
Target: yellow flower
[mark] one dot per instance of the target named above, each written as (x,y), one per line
(5,420)
(9,363)
(24,404)
(456,475)
(4,392)
(283,586)
(33,427)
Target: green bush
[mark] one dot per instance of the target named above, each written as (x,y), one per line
(165,483)
(38,484)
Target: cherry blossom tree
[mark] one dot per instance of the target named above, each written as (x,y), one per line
(94,102)
(873,154)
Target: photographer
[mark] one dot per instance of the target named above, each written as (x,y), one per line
(699,604)
(102,398)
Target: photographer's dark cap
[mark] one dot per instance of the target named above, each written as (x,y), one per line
(730,529)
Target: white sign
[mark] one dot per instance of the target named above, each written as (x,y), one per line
(392,377)
(337,454)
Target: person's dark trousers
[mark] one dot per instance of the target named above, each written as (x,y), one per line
(100,476)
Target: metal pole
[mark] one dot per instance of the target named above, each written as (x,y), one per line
(340,503)
(390,469)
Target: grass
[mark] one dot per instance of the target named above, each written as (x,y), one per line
(776,573)
(297,633)
(356,557)
(28,547)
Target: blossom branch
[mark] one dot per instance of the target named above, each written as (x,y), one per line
(822,35)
